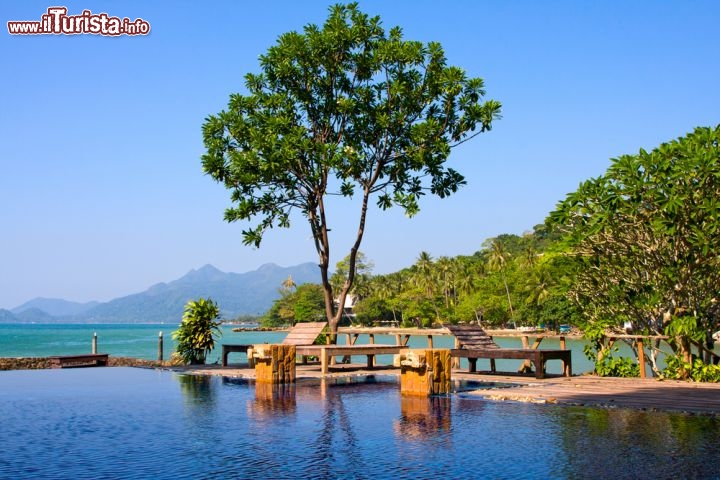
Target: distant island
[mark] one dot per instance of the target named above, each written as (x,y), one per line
(250,293)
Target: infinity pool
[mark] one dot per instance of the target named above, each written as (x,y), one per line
(108,423)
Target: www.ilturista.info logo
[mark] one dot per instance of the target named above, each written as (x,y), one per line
(57,22)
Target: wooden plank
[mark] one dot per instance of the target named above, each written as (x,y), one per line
(327,352)
(76,361)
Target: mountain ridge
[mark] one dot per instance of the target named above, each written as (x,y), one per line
(248,293)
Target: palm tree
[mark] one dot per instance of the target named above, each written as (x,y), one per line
(445,269)
(289,284)
(498,261)
(539,283)
(424,277)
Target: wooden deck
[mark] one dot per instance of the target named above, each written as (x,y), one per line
(584,390)
(588,390)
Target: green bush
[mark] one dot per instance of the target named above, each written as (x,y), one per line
(195,336)
(698,371)
(610,366)
(617,367)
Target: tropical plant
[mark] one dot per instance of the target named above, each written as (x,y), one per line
(646,239)
(342,109)
(196,335)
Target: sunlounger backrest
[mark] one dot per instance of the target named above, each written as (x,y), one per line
(304,333)
(471,336)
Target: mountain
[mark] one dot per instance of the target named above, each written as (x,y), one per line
(55,306)
(6,316)
(250,293)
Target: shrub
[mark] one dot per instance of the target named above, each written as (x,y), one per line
(697,370)
(195,336)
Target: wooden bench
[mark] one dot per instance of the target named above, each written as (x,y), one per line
(76,361)
(326,352)
(303,333)
(226,349)
(474,343)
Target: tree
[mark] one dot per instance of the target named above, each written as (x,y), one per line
(196,335)
(646,236)
(342,109)
(363,273)
(303,304)
(498,261)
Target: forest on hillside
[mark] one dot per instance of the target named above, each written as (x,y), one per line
(510,281)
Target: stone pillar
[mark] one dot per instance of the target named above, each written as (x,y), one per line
(274,363)
(425,372)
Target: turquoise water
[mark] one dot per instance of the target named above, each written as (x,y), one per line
(129,423)
(141,341)
(138,341)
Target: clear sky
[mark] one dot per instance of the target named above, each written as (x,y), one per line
(101,187)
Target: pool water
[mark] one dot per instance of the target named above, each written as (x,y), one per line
(108,423)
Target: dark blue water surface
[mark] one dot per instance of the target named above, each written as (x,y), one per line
(107,423)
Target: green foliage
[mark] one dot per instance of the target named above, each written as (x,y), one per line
(686,326)
(697,370)
(606,365)
(308,303)
(617,367)
(363,273)
(196,335)
(645,238)
(370,310)
(345,109)
(304,304)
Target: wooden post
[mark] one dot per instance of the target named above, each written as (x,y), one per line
(456,361)
(425,372)
(274,363)
(562,342)
(160,347)
(94,343)
(641,357)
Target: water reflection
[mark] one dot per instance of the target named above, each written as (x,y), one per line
(423,417)
(197,390)
(663,443)
(272,399)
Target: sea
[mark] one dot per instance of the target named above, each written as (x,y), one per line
(141,341)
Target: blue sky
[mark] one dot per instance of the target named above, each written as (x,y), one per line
(101,188)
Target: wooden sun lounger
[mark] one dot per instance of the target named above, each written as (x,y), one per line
(474,343)
(77,361)
(303,333)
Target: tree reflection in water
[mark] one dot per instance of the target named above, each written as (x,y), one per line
(602,440)
(197,390)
